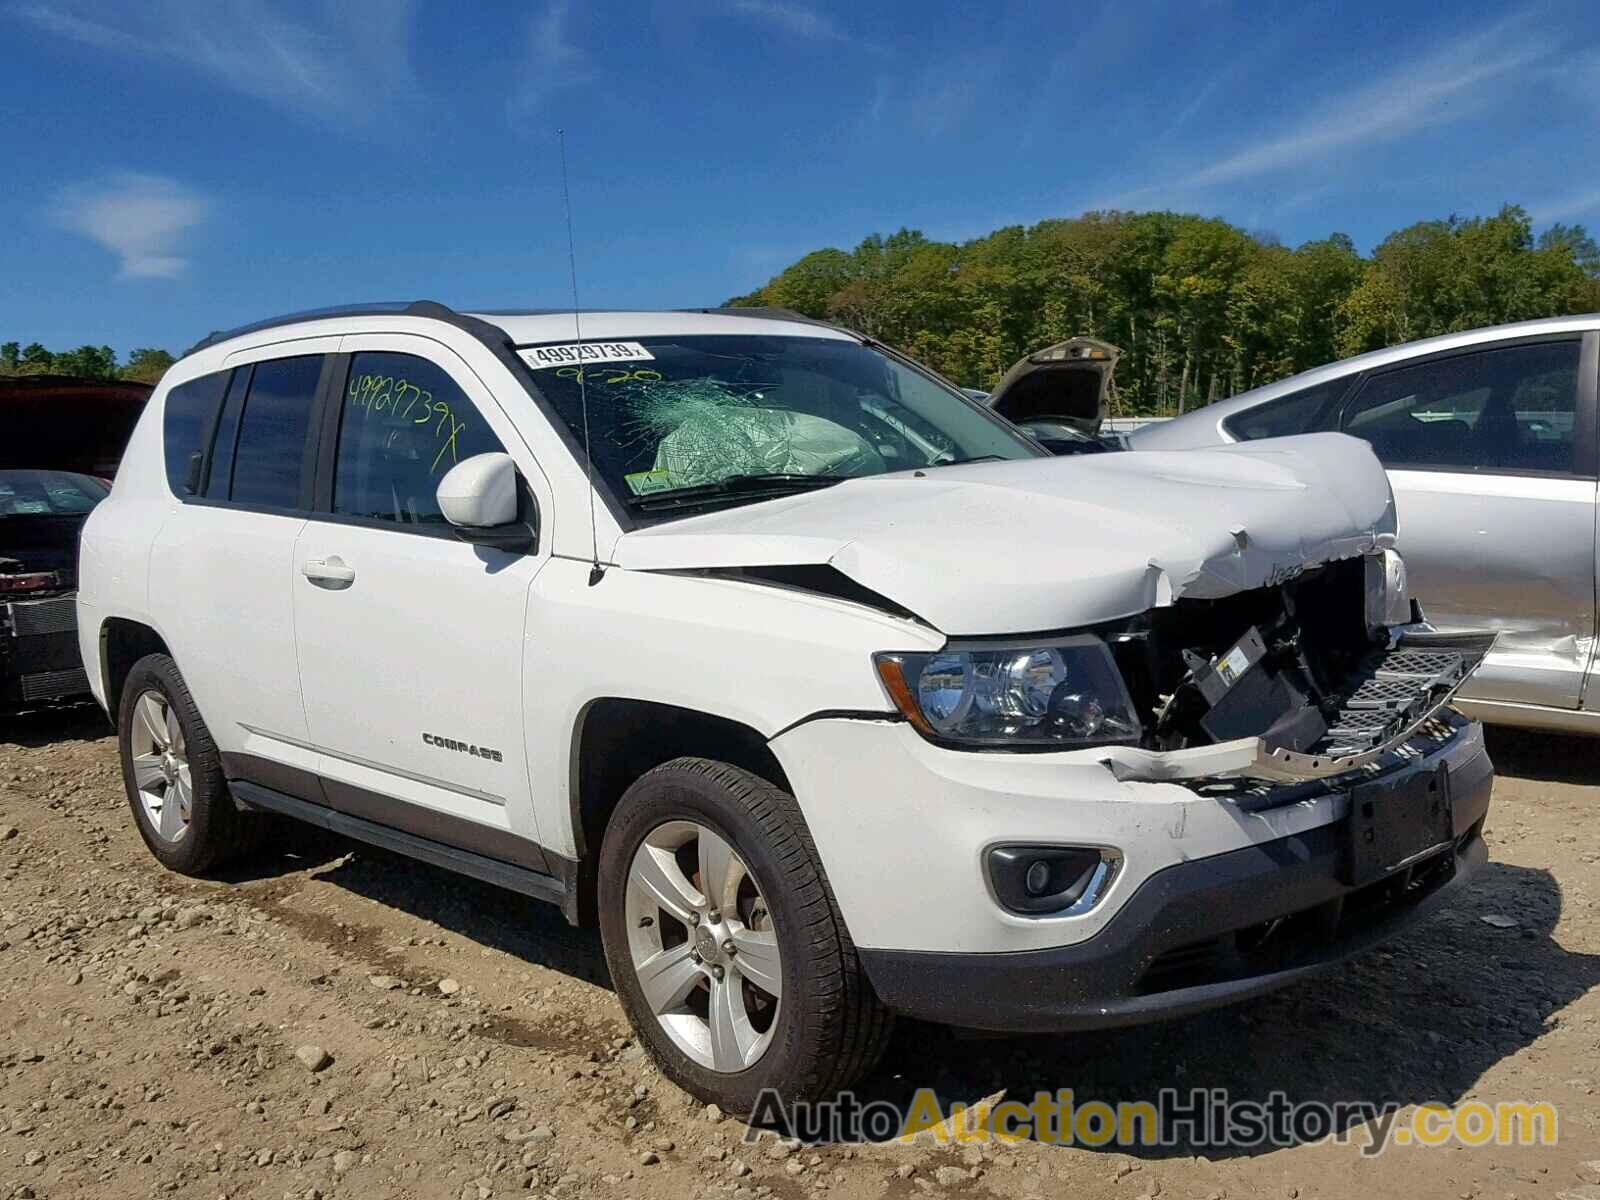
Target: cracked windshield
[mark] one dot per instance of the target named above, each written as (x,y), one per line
(675,421)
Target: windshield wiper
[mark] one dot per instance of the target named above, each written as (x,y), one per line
(776,483)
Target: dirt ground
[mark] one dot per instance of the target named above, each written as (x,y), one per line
(154,1029)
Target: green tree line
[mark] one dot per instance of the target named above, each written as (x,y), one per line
(145,365)
(1201,308)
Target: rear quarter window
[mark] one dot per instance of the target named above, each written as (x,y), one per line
(1306,411)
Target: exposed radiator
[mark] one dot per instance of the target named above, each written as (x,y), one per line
(28,618)
(47,685)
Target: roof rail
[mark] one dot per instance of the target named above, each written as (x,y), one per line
(378,308)
(478,328)
(767,312)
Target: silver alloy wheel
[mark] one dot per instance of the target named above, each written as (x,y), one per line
(161,766)
(703,945)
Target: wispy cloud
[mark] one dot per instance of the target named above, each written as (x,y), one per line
(139,218)
(324,68)
(795,19)
(872,116)
(1445,85)
(1192,109)
(553,61)
(1578,76)
(1565,208)
(937,102)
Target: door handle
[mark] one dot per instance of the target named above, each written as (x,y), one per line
(331,572)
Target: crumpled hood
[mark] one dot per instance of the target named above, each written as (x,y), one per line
(1053,543)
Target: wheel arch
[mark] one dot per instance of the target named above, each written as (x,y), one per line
(616,740)
(124,642)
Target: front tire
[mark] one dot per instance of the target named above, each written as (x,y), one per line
(725,944)
(173,774)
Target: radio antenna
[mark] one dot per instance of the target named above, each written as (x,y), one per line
(596,571)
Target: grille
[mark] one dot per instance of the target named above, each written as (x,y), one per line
(46,685)
(1389,688)
(32,617)
(1420,662)
(1385,693)
(1362,720)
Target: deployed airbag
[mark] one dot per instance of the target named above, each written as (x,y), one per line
(712,433)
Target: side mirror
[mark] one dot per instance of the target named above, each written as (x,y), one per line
(479,497)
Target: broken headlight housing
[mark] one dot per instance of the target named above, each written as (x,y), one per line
(1060,694)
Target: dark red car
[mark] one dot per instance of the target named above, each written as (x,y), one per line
(67,436)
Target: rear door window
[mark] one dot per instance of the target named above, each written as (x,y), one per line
(405,424)
(219,479)
(269,464)
(185,420)
(1511,409)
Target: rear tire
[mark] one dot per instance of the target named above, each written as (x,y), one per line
(173,774)
(792,962)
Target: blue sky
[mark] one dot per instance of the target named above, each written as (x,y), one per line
(175,166)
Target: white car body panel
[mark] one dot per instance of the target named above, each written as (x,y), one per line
(1107,536)
(221,581)
(453,617)
(771,657)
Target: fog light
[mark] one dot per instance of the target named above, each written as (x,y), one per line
(1051,880)
(1038,880)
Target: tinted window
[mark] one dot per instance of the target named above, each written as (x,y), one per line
(1298,412)
(405,424)
(270,461)
(1506,410)
(220,479)
(184,421)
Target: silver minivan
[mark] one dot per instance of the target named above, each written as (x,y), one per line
(1489,437)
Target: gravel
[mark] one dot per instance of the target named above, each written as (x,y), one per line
(167,1036)
(313,1057)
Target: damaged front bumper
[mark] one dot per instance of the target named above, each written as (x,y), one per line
(1398,692)
(1234,867)
(1206,932)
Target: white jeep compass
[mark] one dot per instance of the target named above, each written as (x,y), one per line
(824,692)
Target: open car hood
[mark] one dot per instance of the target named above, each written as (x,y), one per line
(1068,384)
(1054,543)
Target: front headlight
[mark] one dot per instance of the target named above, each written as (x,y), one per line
(1064,694)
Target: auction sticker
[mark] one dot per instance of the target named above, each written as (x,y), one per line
(642,483)
(573,353)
